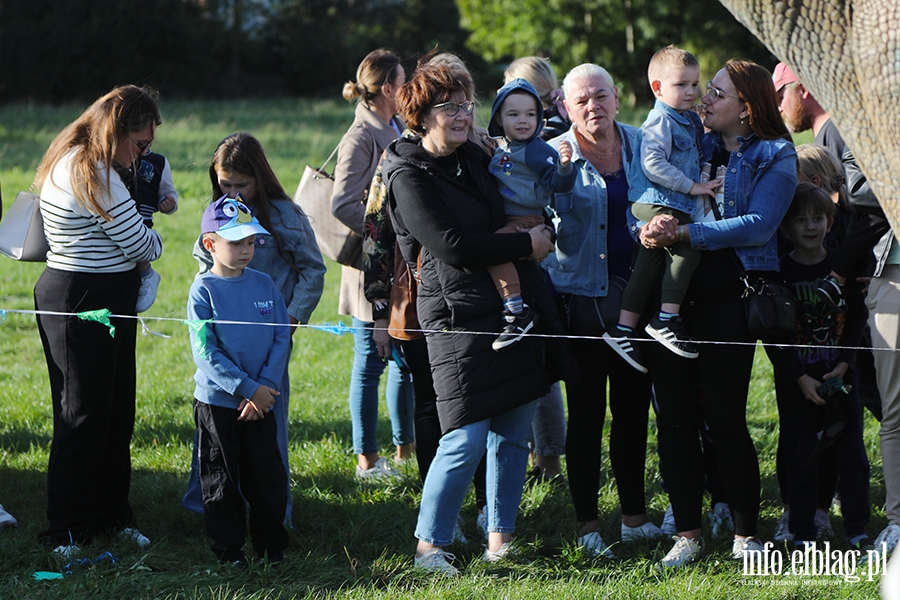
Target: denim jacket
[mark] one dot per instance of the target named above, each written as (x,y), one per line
(668,159)
(579,265)
(760,178)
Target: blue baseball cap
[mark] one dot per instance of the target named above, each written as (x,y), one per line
(231,219)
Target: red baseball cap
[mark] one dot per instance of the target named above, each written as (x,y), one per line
(783,76)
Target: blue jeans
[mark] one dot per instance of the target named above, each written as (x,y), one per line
(505,438)
(548,429)
(364,379)
(193,497)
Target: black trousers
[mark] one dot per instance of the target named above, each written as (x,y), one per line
(710,389)
(629,402)
(92,386)
(800,479)
(238,460)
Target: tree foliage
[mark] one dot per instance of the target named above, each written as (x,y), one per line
(620,35)
(64,50)
(61,50)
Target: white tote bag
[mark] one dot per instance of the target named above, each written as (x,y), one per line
(22,231)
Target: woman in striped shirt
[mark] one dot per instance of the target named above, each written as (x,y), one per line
(96,237)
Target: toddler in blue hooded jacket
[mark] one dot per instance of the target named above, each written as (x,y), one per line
(528,172)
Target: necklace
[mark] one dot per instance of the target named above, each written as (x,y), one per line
(596,152)
(458,166)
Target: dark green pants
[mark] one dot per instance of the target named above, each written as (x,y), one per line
(676,263)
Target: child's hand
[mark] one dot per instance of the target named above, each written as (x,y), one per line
(249,411)
(706,189)
(167,204)
(565,153)
(839,370)
(264,397)
(809,387)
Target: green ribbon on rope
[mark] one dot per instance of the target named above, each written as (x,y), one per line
(198,326)
(101,315)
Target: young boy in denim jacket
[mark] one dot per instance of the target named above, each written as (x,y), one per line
(240,354)
(665,181)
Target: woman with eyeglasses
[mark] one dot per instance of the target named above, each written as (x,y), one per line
(96,238)
(446,204)
(749,146)
(378,78)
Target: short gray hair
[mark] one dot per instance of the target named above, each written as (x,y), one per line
(586,71)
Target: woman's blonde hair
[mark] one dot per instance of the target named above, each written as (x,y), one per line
(95,137)
(537,71)
(814,161)
(376,69)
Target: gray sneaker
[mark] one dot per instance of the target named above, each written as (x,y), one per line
(683,552)
(436,561)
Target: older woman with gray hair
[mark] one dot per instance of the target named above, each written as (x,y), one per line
(592,259)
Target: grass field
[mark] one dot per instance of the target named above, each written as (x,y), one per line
(352,539)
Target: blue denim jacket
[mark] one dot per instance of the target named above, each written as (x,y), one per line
(667,159)
(759,185)
(579,265)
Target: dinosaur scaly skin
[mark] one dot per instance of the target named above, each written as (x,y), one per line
(847,53)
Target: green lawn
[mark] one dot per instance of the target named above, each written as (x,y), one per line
(352,539)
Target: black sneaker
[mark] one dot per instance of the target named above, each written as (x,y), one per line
(673,336)
(516,326)
(832,294)
(864,544)
(617,340)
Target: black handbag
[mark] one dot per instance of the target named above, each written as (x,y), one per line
(771,310)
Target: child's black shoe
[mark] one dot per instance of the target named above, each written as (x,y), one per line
(517,325)
(673,336)
(618,341)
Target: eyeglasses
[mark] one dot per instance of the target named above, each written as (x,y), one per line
(452,108)
(142,146)
(717,94)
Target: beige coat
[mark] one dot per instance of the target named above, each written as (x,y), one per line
(358,155)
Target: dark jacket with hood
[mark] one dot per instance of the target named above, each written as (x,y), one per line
(528,172)
(452,218)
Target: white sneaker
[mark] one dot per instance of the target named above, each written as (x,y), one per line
(481,523)
(782,531)
(458,535)
(496,555)
(592,545)
(668,523)
(130,533)
(436,561)
(6,519)
(741,546)
(147,293)
(647,531)
(381,469)
(888,538)
(720,520)
(823,526)
(66,551)
(684,551)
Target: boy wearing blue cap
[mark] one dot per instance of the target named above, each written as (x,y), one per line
(240,352)
(528,172)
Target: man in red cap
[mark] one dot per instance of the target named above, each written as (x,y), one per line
(868,232)
(800,110)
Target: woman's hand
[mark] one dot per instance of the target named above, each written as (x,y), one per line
(541,246)
(662,231)
(382,339)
